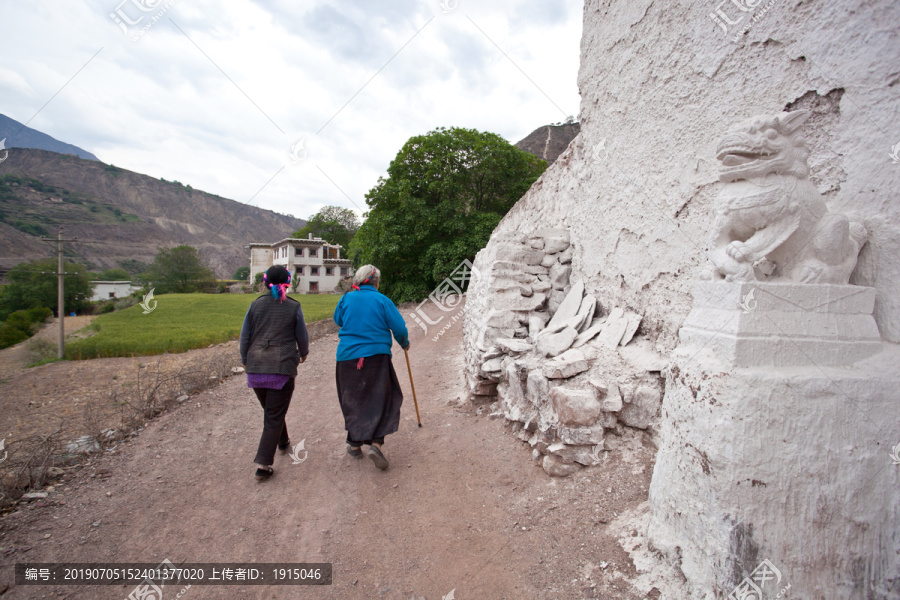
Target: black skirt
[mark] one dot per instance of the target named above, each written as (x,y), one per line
(370,397)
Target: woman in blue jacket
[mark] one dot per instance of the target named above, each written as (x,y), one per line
(367,384)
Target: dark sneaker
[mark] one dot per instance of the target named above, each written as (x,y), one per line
(378,458)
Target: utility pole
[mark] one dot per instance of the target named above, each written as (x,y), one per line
(60,297)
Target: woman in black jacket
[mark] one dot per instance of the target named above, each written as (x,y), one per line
(274,341)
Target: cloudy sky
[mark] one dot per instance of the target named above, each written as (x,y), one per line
(217,94)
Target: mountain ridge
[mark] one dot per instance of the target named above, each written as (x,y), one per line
(121,216)
(19,135)
(549,141)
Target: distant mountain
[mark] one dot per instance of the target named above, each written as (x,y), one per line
(549,141)
(18,135)
(120,217)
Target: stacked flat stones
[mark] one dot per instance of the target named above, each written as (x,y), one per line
(541,348)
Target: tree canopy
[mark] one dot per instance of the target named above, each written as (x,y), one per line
(114,275)
(445,193)
(34,284)
(333,224)
(180,270)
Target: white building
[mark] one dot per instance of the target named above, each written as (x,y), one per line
(107,290)
(315,265)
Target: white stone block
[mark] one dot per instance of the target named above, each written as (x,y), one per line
(582,435)
(537,388)
(782,324)
(559,276)
(634,321)
(555,239)
(514,345)
(568,364)
(575,408)
(613,329)
(589,333)
(570,305)
(608,395)
(554,301)
(541,287)
(642,411)
(554,344)
(520,254)
(556,467)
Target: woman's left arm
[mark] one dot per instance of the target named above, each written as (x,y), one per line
(246,336)
(396,324)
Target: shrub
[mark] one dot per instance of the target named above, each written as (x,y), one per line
(10,336)
(123,303)
(41,350)
(39,314)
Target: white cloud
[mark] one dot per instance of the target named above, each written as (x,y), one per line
(219,105)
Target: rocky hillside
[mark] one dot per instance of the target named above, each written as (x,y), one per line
(119,216)
(549,141)
(17,135)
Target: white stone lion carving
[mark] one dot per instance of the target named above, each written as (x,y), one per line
(770,221)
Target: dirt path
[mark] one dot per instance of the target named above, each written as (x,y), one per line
(13,359)
(463,507)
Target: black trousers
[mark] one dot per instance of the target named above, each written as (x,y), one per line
(275,405)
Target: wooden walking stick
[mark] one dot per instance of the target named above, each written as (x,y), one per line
(416,402)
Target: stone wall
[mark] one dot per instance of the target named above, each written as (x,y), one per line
(633,197)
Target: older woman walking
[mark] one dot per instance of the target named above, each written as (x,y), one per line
(367,385)
(274,341)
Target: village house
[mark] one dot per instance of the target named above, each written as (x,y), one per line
(107,290)
(315,265)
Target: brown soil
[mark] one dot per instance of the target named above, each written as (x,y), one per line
(463,507)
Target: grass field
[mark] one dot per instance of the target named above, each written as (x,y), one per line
(180,322)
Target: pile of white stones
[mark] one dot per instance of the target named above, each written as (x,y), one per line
(551,360)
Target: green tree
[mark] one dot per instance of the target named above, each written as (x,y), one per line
(333,224)
(445,193)
(21,325)
(113,275)
(34,284)
(242,274)
(180,270)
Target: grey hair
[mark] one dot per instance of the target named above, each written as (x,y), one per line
(367,272)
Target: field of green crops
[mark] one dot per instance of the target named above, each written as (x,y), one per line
(180,322)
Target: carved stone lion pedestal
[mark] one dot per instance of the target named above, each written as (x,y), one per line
(776,475)
(778,421)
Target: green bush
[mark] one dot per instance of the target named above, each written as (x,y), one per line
(21,325)
(106,307)
(39,314)
(10,336)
